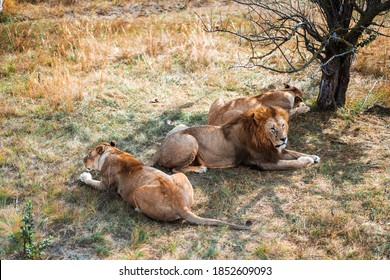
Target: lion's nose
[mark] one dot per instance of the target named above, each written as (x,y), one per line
(283,139)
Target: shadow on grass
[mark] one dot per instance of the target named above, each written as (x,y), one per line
(149,132)
(340,163)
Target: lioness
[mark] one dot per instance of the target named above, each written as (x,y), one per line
(289,98)
(256,138)
(149,190)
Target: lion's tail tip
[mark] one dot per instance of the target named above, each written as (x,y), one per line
(248,224)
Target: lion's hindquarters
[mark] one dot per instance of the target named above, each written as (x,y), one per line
(178,151)
(176,129)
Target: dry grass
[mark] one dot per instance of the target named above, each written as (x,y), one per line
(72,75)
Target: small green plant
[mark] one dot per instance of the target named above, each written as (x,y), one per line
(9,69)
(31,248)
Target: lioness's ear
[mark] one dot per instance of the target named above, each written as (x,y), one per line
(297,100)
(286,86)
(113,143)
(100,149)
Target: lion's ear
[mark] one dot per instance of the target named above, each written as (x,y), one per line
(286,86)
(113,143)
(255,120)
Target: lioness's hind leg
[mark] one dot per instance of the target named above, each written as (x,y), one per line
(150,201)
(184,186)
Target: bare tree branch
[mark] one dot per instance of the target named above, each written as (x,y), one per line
(300,32)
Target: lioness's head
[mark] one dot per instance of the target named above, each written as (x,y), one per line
(93,160)
(267,127)
(298,94)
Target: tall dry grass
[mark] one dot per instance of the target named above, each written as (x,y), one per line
(55,57)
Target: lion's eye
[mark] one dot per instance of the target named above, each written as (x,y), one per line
(283,125)
(273,129)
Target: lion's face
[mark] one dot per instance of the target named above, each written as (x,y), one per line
(276,130)
(268,127)
(92,161)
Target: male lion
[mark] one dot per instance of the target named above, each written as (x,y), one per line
(289,98)
(256,138)
(149,190)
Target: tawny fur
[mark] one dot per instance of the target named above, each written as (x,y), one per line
(289,99)
(256,138)
(149,190)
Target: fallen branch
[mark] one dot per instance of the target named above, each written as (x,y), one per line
(377,109)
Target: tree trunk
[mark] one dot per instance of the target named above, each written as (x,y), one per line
(334,83)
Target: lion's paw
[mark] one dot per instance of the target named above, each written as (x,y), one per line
(201,170)
(306,160)
(85,176)
(316,159)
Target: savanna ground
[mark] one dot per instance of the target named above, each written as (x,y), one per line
(73,73)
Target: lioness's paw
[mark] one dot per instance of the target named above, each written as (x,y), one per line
(85,176)
(306,160)
(316,159)
(201,170)
(302,108)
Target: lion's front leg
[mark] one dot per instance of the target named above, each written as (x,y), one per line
(288,164)
(292,155)
(86,178)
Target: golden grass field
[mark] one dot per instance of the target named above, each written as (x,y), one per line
(73,73)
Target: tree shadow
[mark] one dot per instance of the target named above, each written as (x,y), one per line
(341,161)
(147,134)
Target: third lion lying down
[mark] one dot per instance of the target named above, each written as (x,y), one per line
(289,98)
(256,138)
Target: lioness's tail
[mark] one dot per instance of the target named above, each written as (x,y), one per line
(194,219)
